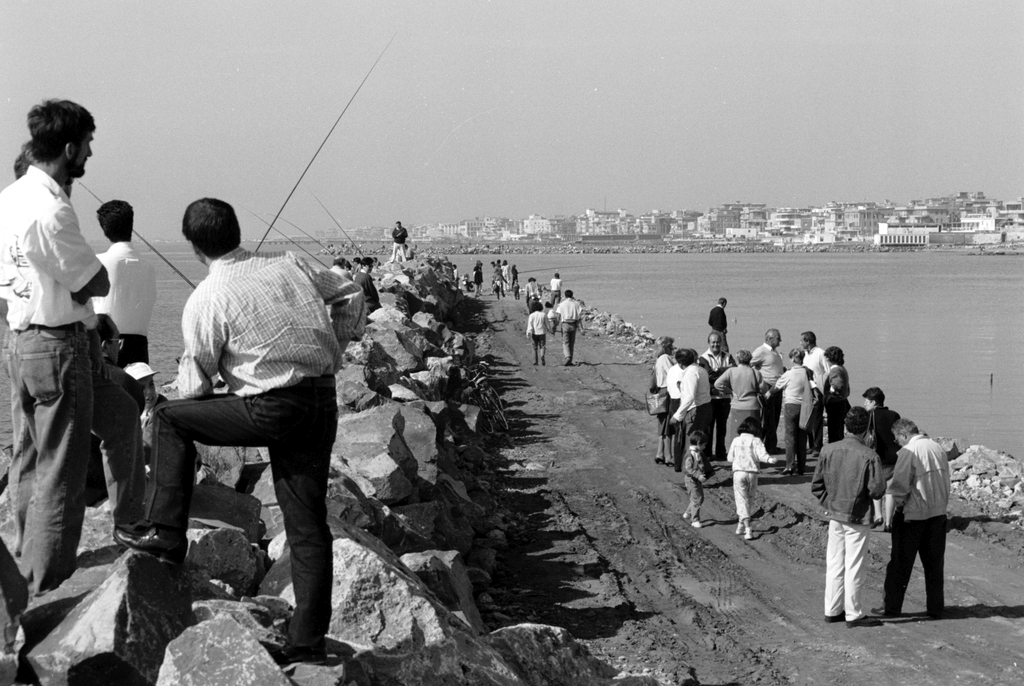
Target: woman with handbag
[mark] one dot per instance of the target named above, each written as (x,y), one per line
(837,393)
(658,398)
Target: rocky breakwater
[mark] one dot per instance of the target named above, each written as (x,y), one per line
(418,531)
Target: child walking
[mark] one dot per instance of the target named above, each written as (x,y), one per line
(693,475)
(745,453)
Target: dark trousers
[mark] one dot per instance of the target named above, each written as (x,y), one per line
(770,414)
(719,426)
(796,439)
(836,417)
(298,424)
(134,348)
(927,538)
(696,419)
(815,429)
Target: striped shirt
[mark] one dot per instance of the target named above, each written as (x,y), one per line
(260,321)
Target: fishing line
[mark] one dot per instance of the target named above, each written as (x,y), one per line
(139,236)
(297,244)
(295,187)
(337,223)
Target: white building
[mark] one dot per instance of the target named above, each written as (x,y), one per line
(978,222)
(536,224)
(819,238)
(735,234)
(904,234)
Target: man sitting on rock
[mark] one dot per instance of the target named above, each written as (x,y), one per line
(275,329)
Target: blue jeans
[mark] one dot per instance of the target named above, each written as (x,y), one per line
(51,413)
(298,425)
(569,339)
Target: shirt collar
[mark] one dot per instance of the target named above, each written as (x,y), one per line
(230,258)
(39,176)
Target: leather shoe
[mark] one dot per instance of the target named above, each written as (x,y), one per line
(863,620)
(166,544)
(882,612)
(290,655)
(832,619)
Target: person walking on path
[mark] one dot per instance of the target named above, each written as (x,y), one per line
(556,290)
(570,314)
(719,322)
(49,275)
(743,383)
(132,295)
(659,381)
(836,392)
(915,512)
(767,360)
(746,452)
(478,277)
(847,477)
(532,292)
(694,477)
(881,421)
(274,328)
(536,331)
(716,361)
(794,386)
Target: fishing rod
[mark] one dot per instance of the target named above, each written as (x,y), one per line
(338,224)
(307,235)
(297,244)
(295,187)
(139,236)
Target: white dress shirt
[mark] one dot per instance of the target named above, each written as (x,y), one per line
(132,293)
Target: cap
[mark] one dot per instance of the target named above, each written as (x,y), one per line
(140,371)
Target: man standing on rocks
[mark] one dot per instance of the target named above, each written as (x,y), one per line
(915,510)
(846,479)
(274,328)
(719,322)
(49,274)
(769,362)
(570,313)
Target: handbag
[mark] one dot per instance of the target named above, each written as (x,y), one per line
(657,402)
(869,436)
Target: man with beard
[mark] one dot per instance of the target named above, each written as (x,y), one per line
(49,274)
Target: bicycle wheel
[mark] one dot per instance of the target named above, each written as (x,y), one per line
(492,405)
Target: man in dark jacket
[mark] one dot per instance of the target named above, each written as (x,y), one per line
(719,322)
(848,476)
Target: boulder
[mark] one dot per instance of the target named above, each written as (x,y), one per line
(369,354)
(219,652)
(347,503)
(366,434)
(226,461)
(444,573)
(359,397)
(548,656)
(263,623)
(13,601)
(436,522)
(226,555)
(403,394)
(405,355)
(118,632)
(390,314)
(215,506)
(421,436)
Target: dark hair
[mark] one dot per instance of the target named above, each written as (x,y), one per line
(105,329)
(568,294)
(547,303)
(834,354)
(684,357)
(723,301)
(55,123)
(116,218)
(698,438)
(22,162)
(557,276)
(875,395)
(809,337)
(857,420)
(211,226)
(750,426)
(535,307)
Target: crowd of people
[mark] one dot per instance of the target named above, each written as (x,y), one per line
(874,469)
(264,335)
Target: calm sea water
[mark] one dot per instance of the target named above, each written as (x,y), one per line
(936,331)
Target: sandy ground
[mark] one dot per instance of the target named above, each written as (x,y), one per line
(603,550)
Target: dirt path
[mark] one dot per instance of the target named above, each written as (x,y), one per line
(604,551)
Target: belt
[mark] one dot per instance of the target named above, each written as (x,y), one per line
(73,327)
(327,381)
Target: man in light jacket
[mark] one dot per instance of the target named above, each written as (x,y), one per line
(848,476)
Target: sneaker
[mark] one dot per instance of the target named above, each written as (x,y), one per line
(863,620)
(749,535)
(696,524)
(686,515)
(739,529)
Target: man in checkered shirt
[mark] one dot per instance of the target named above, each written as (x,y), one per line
(274,328)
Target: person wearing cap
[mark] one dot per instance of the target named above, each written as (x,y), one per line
(274,328)
(146,377)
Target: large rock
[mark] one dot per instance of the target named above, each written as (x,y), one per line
(215,506)
(405,355)
(13,601)
(379,476)
(437,522)
(369,354)
(366,434)
(218,652)
(347,503)
(226,555)
(422,437)
(444,573)
(262,622)
(226,461)
(548,656)
(117,633)
(390,315)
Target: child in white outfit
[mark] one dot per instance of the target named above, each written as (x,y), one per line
(745,453)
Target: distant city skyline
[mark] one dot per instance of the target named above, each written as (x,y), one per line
(509,109)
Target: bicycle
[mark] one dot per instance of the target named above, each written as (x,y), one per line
(477,391)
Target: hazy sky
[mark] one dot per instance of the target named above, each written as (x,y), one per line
(512,108)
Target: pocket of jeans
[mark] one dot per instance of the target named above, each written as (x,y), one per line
(279,416)
(41,374)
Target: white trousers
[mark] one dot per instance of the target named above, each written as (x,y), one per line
(847,546)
